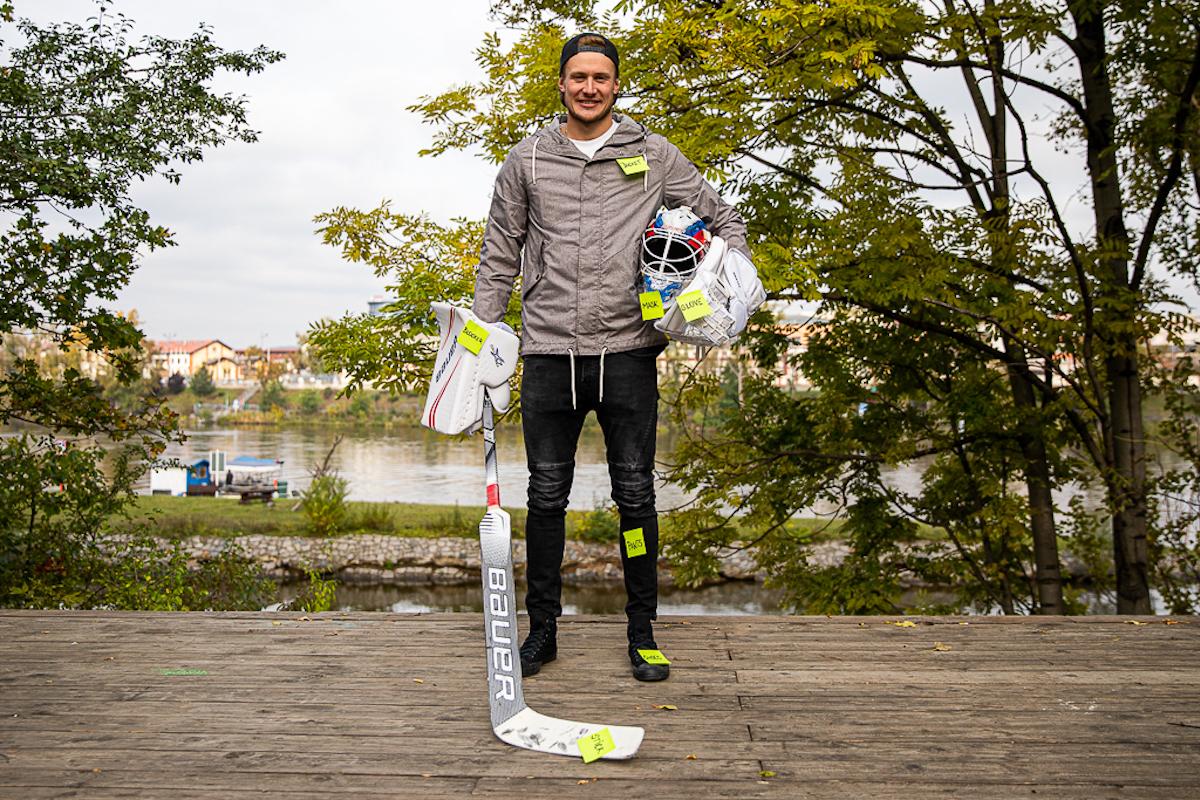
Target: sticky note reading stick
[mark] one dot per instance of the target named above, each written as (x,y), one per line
(473,336)
(694,305)
(652,307)
(635,165)
(635,542)
(654,657)
(595,745)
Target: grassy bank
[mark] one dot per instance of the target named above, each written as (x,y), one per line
(178,517)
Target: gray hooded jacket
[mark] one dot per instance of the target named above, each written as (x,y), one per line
(573,229)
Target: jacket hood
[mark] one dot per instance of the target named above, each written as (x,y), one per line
(629,131)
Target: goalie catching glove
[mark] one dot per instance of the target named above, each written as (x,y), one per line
(712,309)
(473,357)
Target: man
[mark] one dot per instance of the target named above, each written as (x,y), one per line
(568,211)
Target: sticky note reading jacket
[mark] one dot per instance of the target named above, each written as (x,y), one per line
(635,165)
(473,336)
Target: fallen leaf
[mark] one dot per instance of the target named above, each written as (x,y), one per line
(426,774)
(1135,622)
(765,783)
(1170,622)
(667,707)
(766,773)
(964,623)
(276,622)
(904,623)
(97,769)
(941,648)
(417,680)
(690,757)
(305,619)
(581,783)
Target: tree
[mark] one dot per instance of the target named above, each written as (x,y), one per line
(202,383)
(973,325)
(85,112)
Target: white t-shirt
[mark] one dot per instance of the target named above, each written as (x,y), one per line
(589,146)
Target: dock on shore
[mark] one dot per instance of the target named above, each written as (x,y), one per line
(221,706)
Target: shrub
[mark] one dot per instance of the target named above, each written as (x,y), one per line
(324,504)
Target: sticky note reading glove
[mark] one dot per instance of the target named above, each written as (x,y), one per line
(634,165)
(694,305)
(635,542)
(473,336)
(595,745)
(653,657)
(652,306)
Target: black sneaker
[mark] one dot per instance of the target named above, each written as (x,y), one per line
(643,670)
(540,647)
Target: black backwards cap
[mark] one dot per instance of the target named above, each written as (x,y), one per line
(573,47)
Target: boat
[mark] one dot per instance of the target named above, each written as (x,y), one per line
(253,478)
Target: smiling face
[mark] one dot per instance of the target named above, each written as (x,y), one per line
(589,90)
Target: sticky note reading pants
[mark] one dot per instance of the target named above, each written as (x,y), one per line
(595,745)
(652,307)
(634,165)
(635,543)
(473,336)
(694,305)
(653,656)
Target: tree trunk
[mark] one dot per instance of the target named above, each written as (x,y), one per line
(1119,303)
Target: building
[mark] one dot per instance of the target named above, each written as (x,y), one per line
(186,357)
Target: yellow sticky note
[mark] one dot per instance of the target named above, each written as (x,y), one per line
(694,305)
(634,165)
(595,745)
(655,657)
(635,542)
(473,336)
(652,307)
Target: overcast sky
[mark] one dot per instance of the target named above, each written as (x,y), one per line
(248,268)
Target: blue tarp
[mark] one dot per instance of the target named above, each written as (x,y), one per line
(250,461)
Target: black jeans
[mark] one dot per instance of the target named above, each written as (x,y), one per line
(628,416)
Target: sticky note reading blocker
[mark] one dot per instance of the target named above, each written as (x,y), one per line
(473,336)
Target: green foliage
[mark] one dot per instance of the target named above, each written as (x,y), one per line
(601,524)
(421,260)
(324,504)
(202,383)
(85,113)
(318,594)
(380,517)
(273,396)
(309,403)
(966,328)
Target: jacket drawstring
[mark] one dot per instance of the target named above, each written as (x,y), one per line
(603,350)
(536,141)
(571,353)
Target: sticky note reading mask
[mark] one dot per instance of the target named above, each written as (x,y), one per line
(653,657)
(473,336)
(595,745)
(652,307)
(694,305)
(635,542)
(634,165)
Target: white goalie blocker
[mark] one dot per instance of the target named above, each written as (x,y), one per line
(721,296)
(473,357)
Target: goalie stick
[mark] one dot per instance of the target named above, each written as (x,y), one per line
(513,722)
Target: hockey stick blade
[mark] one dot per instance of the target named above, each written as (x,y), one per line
(513,721)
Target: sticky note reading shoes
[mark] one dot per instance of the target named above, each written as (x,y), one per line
(595,745)
(634,165)
(694,305)
(652,307)
(473,336)
(635,542)
(654,657)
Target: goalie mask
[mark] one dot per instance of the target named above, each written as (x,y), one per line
(673,246)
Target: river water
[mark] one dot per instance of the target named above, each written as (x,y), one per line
(416,465)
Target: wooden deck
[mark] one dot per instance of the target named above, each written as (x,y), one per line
(372,705)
